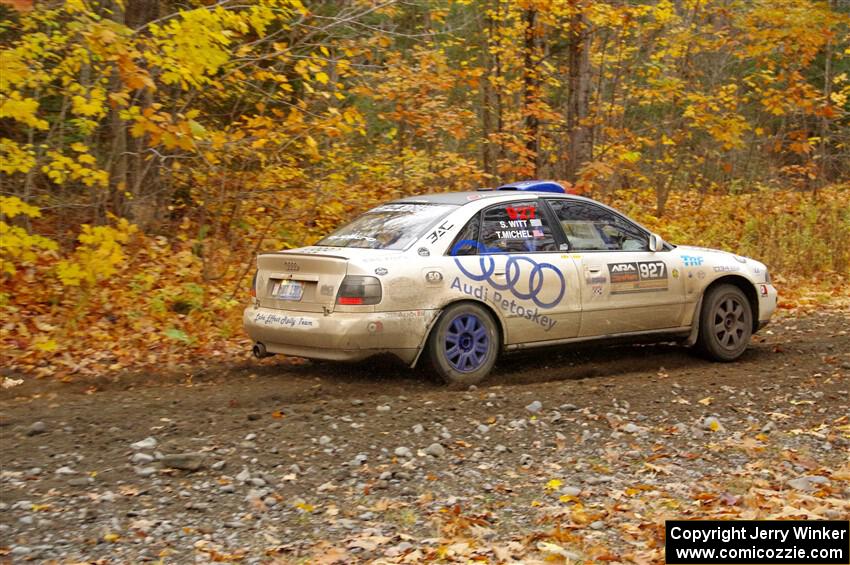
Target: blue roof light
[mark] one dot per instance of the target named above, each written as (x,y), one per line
(535,186)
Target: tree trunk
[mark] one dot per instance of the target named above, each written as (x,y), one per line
(117,166)
(579,84)
(530,91)
(144,170)
(824,124)
(489,157)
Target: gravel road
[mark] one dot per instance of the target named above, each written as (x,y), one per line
(561,454)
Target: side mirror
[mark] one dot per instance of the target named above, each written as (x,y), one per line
(655,243)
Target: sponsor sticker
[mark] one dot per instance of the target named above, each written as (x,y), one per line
(521,212)
(639,276)
(439,232)
(433,277)
(692,260)
(510,306)
(423,252)
(285,321)
(381,271)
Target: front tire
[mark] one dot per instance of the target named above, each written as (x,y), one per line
(726,323)
(464,344)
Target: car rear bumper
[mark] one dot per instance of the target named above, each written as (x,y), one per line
(338,336)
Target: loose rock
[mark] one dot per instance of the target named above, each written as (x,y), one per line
(37,428)
(147,443)
(435,450)
(184,461)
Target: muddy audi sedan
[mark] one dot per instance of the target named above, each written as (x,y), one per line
(455,279)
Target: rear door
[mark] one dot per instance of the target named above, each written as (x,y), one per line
(509,256)
(624,286)
(300,282)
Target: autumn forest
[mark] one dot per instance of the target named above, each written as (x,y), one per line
(149,148)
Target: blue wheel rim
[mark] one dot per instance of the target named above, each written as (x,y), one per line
(467,343)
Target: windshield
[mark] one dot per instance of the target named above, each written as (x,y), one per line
(391,226)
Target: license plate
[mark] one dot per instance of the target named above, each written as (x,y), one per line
(289,290)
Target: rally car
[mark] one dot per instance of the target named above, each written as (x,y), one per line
(458,278)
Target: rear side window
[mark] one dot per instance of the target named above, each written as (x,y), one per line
(512,227)
(391,226)
(466,242)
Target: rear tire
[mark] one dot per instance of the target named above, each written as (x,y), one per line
(726,323)
(464,344)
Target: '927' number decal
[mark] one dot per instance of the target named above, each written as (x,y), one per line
(652,270)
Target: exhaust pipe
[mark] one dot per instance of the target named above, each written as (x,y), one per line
(259,351)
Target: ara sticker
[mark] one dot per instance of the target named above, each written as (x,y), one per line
(641,276)
(381,271)
(423,252)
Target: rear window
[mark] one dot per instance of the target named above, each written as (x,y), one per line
(391,226)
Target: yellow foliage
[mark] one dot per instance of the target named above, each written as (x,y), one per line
(98,256)
(91,105)
(21,109)
(61,168)
(18,246)
(11,206)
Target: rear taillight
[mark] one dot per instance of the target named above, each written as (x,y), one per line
(359,290)
(254,285)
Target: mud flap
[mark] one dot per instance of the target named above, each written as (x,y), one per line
(424,341)
(692,337)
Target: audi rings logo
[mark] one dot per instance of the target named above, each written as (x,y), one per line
(523,283)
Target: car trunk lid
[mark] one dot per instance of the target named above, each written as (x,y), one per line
(301,282)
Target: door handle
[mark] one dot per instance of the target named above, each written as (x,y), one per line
(595,269)
(499,274)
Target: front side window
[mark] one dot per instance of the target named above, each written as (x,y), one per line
(516,227)
(391,226)
(592,228)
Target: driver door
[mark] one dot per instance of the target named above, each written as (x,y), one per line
(625,288)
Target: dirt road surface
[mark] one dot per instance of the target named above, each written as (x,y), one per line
(577,454)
